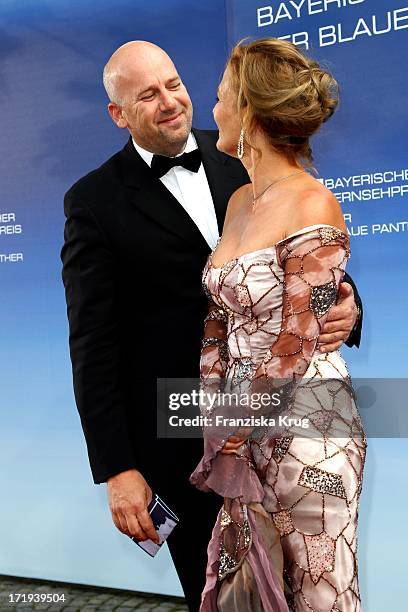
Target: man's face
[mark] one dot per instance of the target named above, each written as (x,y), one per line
(156,107)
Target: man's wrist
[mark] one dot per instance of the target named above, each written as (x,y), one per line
(114,476)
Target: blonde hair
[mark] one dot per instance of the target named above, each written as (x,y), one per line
(282,91)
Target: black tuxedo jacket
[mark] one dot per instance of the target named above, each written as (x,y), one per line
(132,264)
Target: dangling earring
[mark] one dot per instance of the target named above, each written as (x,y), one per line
(240,146)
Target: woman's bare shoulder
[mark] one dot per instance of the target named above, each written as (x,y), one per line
(316,204)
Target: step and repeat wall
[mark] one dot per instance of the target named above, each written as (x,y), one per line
(54,524)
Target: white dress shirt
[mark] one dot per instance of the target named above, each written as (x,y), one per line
(191,189)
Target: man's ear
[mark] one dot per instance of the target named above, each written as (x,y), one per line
(116,114)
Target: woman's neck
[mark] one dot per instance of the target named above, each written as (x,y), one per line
(267,168)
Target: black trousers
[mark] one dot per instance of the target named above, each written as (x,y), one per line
(196,510)
(188,547)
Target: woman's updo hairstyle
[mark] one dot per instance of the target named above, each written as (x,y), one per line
(282,91)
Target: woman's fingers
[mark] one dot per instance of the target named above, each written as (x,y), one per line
(231,447)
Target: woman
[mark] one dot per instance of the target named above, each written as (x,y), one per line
(286,534)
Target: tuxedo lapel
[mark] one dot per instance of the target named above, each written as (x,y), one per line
(224,174)
(154,200)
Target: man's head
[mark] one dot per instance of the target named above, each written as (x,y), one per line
(148,97)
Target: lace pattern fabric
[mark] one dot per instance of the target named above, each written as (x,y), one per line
(292,498)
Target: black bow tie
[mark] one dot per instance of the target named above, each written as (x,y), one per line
(161,164)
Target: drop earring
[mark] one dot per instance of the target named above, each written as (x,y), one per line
(240,146)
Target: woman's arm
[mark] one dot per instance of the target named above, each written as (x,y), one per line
(313,263)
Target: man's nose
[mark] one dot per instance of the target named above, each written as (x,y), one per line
(167,102)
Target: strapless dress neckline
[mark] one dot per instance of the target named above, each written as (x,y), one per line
(272,247)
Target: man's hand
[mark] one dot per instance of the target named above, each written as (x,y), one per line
(340,321)
(129,495)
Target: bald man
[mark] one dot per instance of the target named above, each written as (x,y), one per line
(138,232)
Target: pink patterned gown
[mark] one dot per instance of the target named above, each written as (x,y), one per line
(285,537)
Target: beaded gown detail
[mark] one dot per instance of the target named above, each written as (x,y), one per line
(286,535)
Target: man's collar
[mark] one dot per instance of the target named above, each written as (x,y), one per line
(147,156)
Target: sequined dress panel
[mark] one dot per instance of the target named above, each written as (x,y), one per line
(285,537)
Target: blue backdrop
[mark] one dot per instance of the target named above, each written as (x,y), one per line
(56,128)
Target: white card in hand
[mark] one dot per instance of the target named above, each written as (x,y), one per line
(164,521)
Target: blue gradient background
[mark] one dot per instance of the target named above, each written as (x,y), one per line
(55,128)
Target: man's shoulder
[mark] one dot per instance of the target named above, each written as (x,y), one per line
(207,140)
(212,134)
(99,180)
